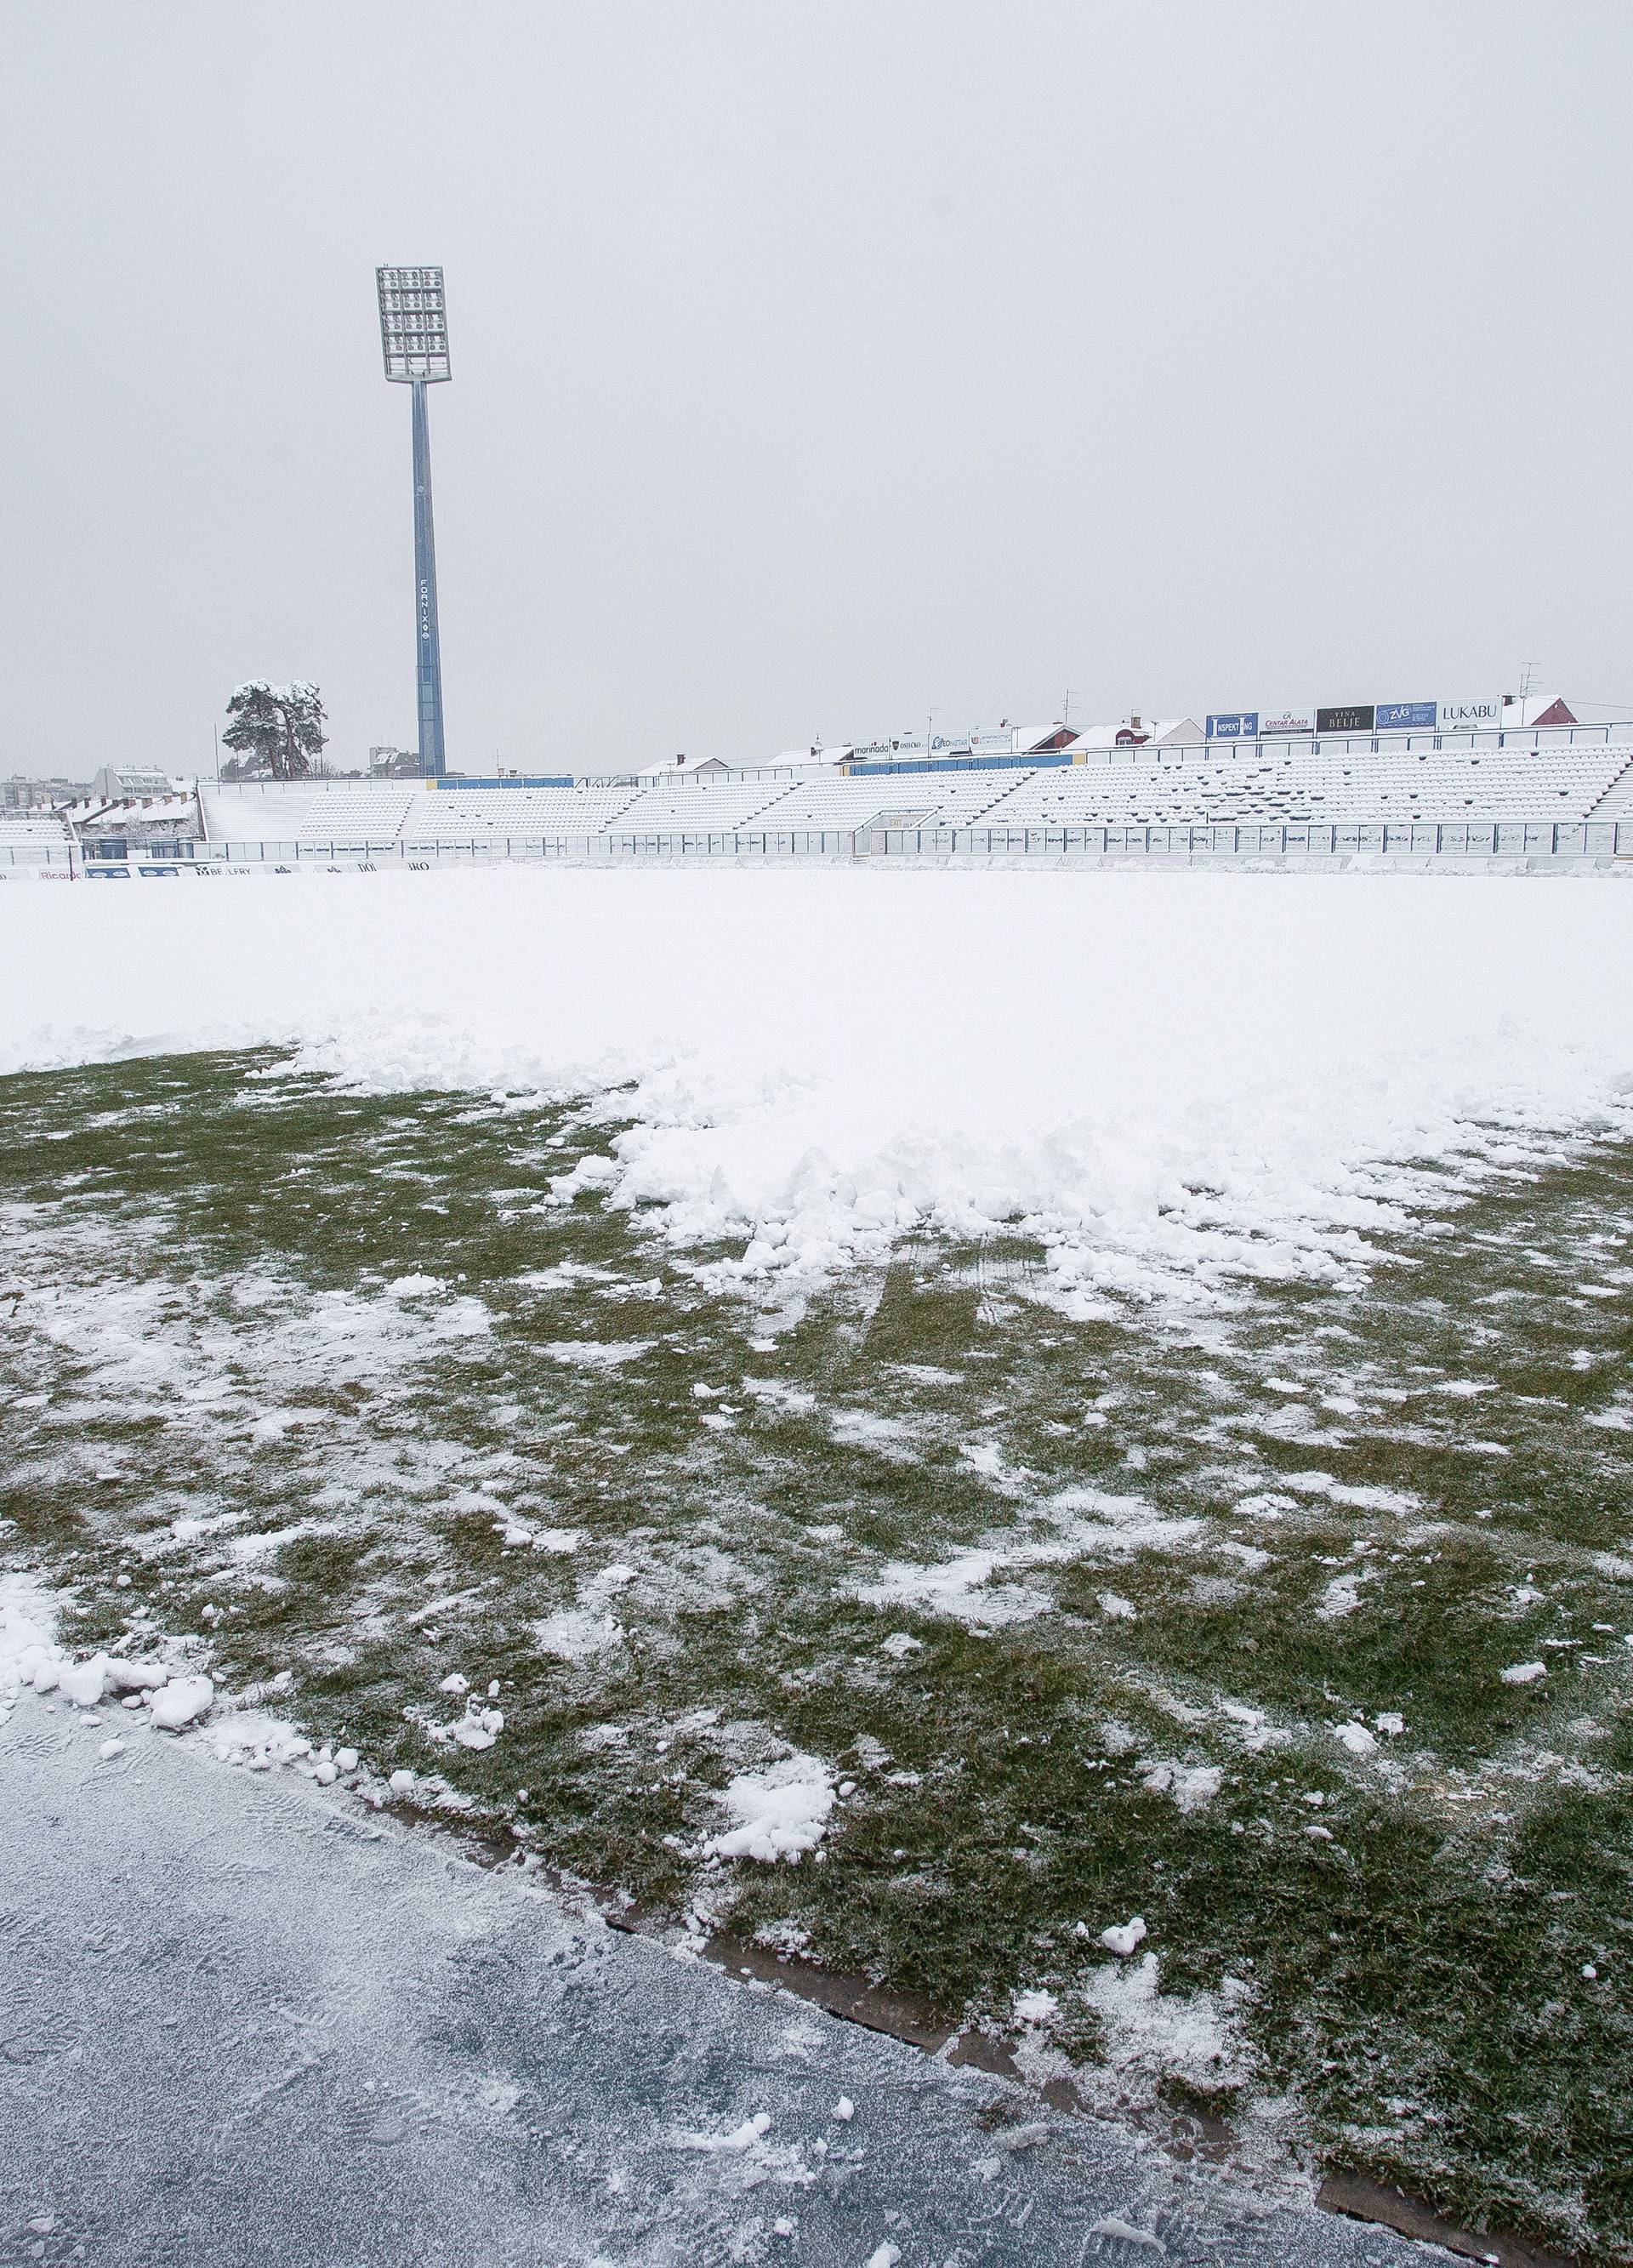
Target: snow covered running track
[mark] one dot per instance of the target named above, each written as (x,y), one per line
(251,2027)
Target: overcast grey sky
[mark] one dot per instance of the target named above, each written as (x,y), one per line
(817,367)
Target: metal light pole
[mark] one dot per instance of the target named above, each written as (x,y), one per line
(414,338)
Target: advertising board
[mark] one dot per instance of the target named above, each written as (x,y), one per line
(1408,716)
(1285,723)
(1355,718)
(1234,725)
(1470,715)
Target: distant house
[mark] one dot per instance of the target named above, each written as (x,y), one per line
(145,816)
(1135,732)
(802,759)
(684,767)
(388,763)
(20,793)
(1522,712)
(131,783)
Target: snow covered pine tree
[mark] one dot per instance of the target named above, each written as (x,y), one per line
(277,730)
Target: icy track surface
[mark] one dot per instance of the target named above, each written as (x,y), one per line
(1171,1080)
(249,2026)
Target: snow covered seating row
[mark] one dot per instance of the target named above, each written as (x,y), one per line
(949,799)
(697,806)
(42,830)
(1196,787)
(467,814)
(366,813)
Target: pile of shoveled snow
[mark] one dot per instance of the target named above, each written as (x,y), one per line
(1170,1078)
(152,1695)
(31,1658)
(780,1812)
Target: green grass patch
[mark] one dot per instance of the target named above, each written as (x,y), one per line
(1083,1617)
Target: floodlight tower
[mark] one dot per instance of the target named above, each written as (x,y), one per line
(413,337)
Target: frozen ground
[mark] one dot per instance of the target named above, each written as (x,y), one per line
(834,1407)
(249,2027)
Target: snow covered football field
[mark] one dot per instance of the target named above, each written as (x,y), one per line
(1161,1073)
(918,1419)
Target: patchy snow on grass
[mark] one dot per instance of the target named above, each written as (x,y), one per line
(595,1354)
(1192,1787)
(1120,1525)
(960,1589)
(1363,1497)
(1342,1595)
(576,1634)
(1150,2036)
(892,1438)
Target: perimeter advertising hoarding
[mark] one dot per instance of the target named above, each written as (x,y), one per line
(1470,715)
(1292,721)
(900,744)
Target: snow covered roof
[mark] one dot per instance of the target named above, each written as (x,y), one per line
(1528,709)
(681,767)
(137,811)
(1139,731)
(115,781)
(1124,735)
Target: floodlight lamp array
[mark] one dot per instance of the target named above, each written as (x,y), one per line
(413,325)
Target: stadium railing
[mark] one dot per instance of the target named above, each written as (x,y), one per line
(1249,839)
(1597,839)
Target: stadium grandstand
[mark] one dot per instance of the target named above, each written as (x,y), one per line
(1561,780)
(1201,785)
(1207,785)
(37,834)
